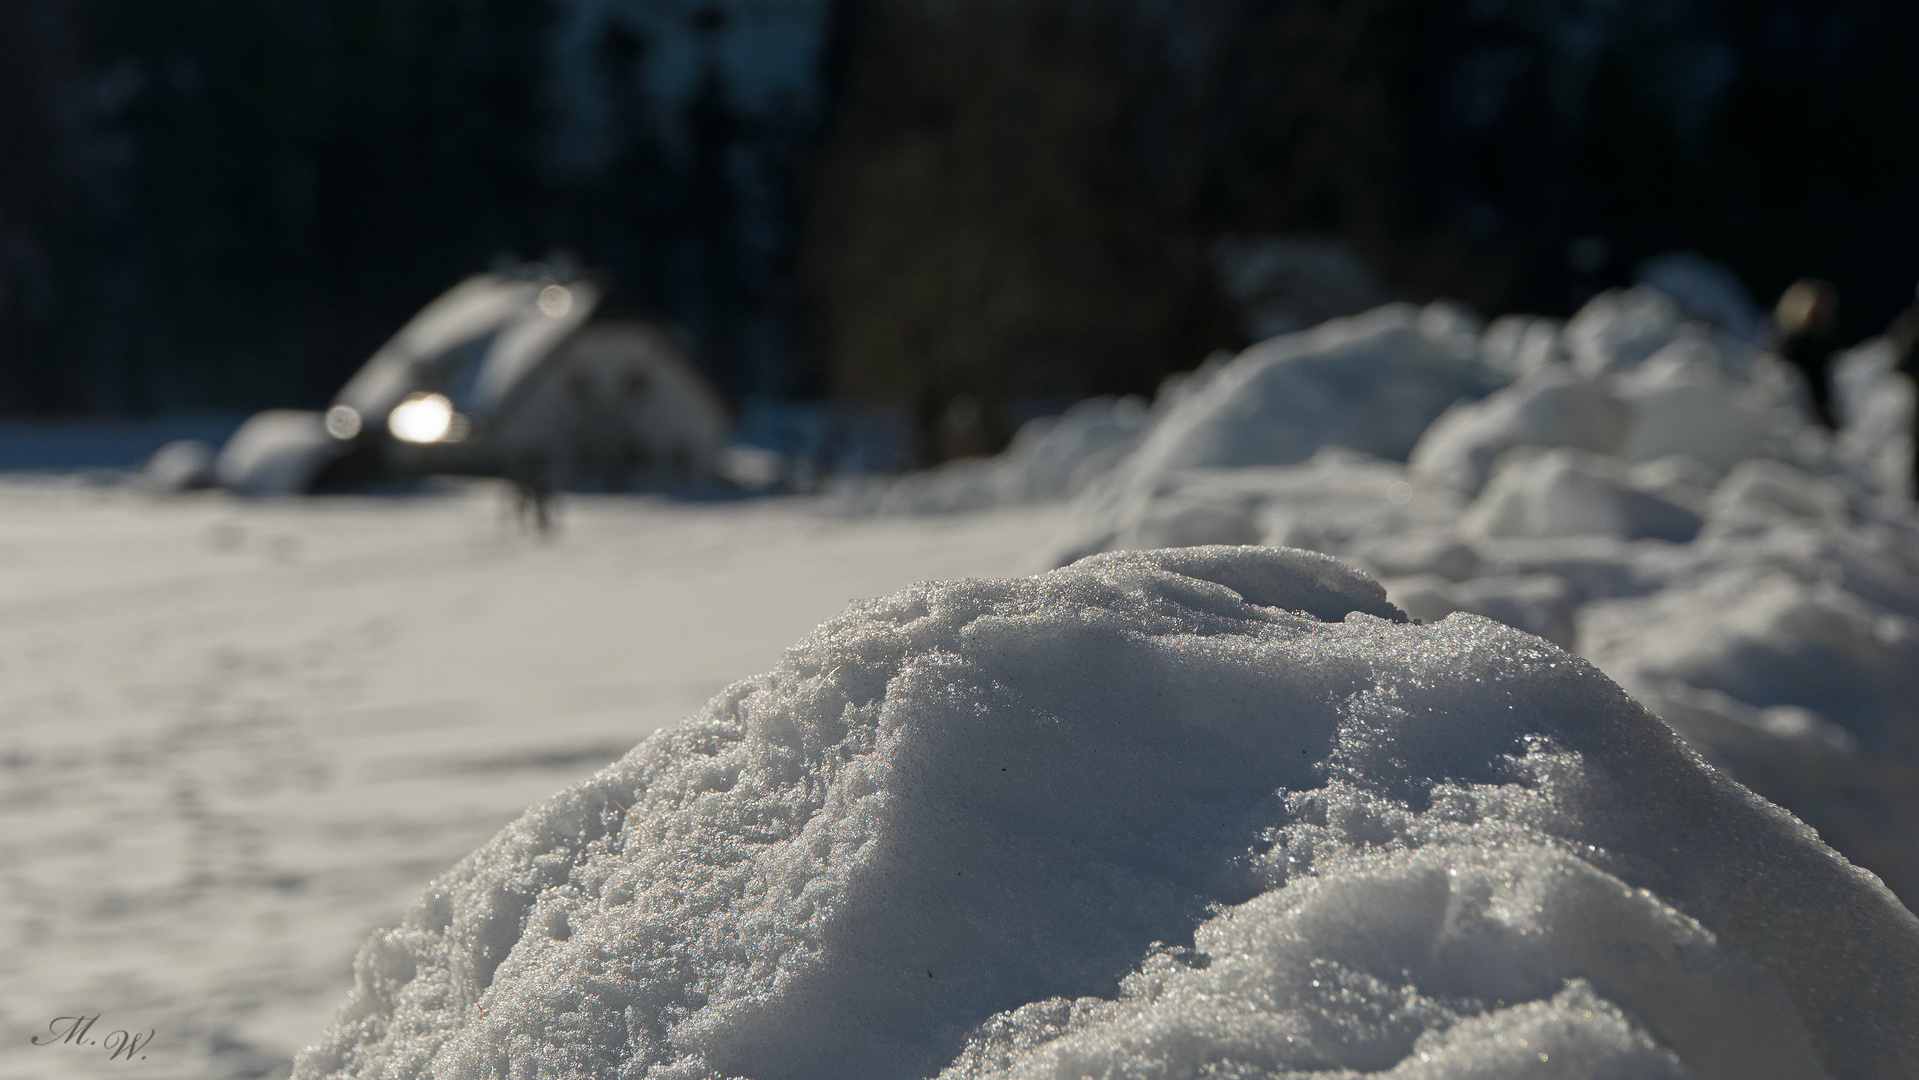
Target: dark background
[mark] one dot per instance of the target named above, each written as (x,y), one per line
(230,203)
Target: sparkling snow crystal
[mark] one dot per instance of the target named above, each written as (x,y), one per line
(1208,812)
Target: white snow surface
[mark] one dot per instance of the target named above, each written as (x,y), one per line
(1211,812)
(1645,491)
(238,735)
(1050,458)
(1369,382)
(1620,328)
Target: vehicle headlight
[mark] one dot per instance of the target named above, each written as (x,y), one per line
(426,418)
(343,422)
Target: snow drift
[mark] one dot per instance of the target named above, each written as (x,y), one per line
(1050,457)
(1644,489)
(1204,812)
(1370,382)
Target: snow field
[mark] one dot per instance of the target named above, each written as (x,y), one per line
(1172,810)
(237,736)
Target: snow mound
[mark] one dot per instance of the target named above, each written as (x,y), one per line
(1551,407)
(1572,493)
(1686,399)
(1206,812)
(1620,328)
(1050,457)
(1522,344)
(1369,383)
(1685,402)
(1877,405)
(1615,498)
(1540,604)
(1337,499)
(1706,291)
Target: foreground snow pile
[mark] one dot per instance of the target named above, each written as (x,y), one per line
(1212,812)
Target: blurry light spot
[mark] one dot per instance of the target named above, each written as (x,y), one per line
(343,422)
(555,301)
(1399,493)
(421,418)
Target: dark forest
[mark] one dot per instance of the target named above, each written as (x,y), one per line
(229,203)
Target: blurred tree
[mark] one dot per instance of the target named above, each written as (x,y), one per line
(1016,194)
(982,228)
(231,202)
(40,202)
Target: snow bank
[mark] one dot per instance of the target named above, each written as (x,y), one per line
(1648,492)
(1685,401)
(1705,291)
(1620,328)
(1369,383)
(1774,587)
(1336,500)
(1051,457)
(1662,369)
(1564,492)
(1522,344)
(1550,407)
(1206,812)
(1686,397)
(1877,406)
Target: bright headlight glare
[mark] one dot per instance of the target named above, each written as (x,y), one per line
(421,418)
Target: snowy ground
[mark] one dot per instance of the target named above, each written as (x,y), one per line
(294,717)
(235,738)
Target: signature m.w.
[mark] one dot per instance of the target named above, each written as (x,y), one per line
(73,1031)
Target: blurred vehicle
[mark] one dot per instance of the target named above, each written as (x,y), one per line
(506,374)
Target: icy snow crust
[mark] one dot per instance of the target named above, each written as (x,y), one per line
(1218,811)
